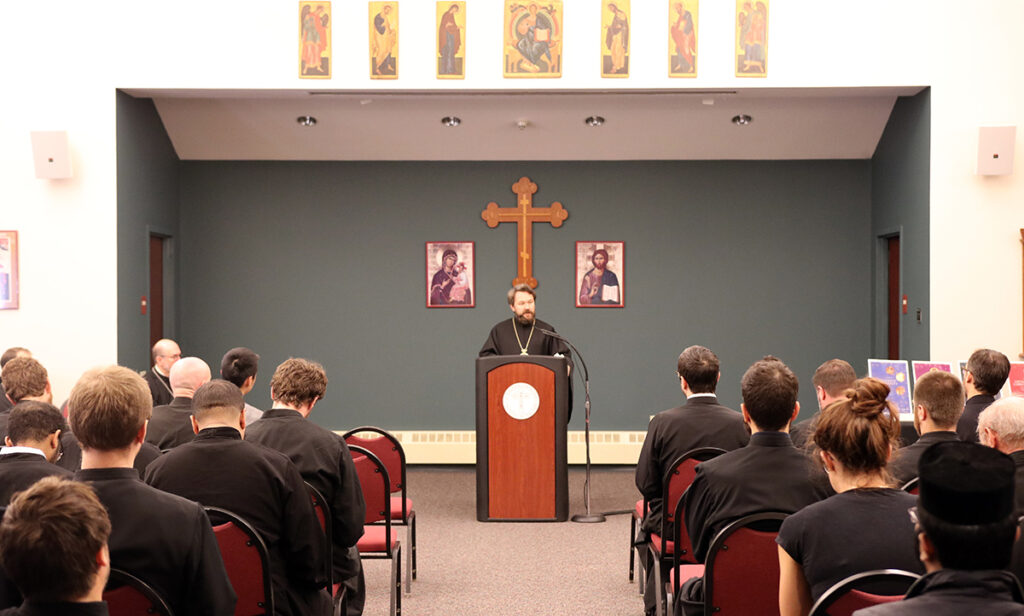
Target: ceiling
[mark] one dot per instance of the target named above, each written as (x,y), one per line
(817,123)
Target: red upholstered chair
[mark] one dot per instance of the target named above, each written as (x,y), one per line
(911,486)
(863,590)
(379,541)
(663,550)
(127,595)
(246,560)
(741,572)
(387,448)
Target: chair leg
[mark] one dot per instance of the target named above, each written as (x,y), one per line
(412,525)
(396,580)
(408,559)
(659,587)
(632,536)
(641,571)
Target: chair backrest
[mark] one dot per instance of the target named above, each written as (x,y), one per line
(863,590)
(127,595)
(246,560)
(678,478)
(741,575)
(323,515)
(376,486)
(386,447)
(911,486)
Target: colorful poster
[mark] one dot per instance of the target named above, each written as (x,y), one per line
(682,38)
(1016,379)
(615,38)
(893,372)
(314,40)
(751,38)
(533,39)
(384,40)
(922,367)
(451,40)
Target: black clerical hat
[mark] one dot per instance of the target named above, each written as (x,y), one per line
(964,483)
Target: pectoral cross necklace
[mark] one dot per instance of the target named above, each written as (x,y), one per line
(522,349)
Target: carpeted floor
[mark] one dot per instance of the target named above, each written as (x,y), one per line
(469,568)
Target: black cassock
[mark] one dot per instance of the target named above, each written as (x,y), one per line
(503,341)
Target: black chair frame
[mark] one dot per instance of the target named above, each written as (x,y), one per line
(395,555)
(858,581)
(119,578)
(219,516)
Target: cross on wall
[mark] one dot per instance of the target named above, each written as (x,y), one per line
(524,215)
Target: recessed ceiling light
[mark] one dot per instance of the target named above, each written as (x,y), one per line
(594,121)
(306,120)
(742,120)
(451,121)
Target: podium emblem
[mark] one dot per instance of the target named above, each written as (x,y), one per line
(520,401)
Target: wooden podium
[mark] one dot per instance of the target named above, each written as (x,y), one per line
(521,462)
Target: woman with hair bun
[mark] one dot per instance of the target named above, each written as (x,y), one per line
(865,525)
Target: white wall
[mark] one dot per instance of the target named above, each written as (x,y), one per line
(62,61)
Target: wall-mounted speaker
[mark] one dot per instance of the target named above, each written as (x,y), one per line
(995,150)
(50,154)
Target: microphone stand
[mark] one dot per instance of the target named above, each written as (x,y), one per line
(587,517)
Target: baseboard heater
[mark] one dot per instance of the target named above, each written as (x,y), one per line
(459,446)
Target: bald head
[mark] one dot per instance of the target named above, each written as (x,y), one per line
(165,354)
(187,375)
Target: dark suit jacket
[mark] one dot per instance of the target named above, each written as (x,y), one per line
(967,427)
(171,424)
(325,463)
(953,592)
(159,387)
(165,540)
(18,471)
(800,432)
(769,474)
(262,486)
(903,465)
(701,422)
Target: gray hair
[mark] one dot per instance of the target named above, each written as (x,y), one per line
(1005,417)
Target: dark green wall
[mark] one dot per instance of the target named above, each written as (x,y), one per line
(147,200)
(326,261)
(900,175)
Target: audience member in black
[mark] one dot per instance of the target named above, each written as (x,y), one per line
(165,354)
(171,424)
(239,366)
(324,461)
(32,444)
(162,539)
(831,380)
(938,403)
(769,474)
(8,355)
(966,524)
(53,544)
(700,422)
(854,438)
(1001,427)
(219,469)
(986,374)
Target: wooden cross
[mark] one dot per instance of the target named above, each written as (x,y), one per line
(524,215)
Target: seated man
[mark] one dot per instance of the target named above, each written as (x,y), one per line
(323,460)
(26,379)
(938,402)
(8,355)
(239,366)
(53,544)
(986,373)
(32,446)
(966,522)
(831,380)
(769,474)
(219,469)
(1001,427)
(162,539)
(171,424)
(701,422)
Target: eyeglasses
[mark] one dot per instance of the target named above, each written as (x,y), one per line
(175,356)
